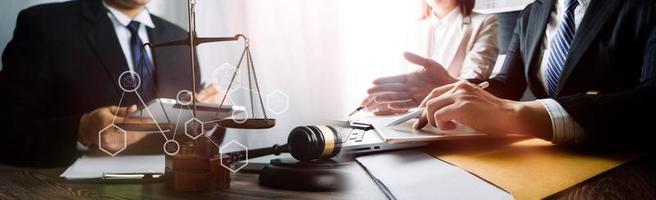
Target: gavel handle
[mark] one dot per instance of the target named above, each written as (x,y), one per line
(254,153)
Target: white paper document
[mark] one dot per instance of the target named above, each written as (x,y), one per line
(416,175)
(88,167)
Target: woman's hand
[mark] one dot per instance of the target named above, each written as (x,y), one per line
(470,105)
(397,94)
(210,94)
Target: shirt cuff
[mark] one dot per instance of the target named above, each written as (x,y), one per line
(565,129)
(81,147)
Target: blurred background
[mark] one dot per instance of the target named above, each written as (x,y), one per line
(314,58)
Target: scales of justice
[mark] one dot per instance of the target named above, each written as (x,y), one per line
(312,168)
(192,41)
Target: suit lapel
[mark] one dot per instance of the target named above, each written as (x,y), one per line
(595,17)
(537,25)
(102,38)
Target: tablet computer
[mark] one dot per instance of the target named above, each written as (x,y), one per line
(404,133)
(164,110)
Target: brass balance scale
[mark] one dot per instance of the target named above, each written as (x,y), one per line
(322,174)
(246,57)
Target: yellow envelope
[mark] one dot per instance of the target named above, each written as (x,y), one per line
(527,168)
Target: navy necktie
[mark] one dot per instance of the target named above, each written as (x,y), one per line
(560,46)
(142,65)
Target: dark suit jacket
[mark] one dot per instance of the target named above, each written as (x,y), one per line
(610,54)
(64,60)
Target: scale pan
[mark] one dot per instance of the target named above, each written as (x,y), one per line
(251,123)
(145,128)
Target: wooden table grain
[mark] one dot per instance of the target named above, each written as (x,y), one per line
(634,180)
(26,183)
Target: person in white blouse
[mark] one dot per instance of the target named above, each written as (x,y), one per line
(463,42)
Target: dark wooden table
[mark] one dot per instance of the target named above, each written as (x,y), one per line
(634,180)
(26,183)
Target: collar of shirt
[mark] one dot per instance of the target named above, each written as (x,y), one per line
(579,12)
(582,3)
(143,17)
(448,18)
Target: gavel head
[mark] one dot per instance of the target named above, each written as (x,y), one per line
(308,143)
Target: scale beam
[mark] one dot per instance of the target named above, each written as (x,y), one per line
(201,40)
(193,41)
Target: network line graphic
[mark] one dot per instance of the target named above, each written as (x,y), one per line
(130,82)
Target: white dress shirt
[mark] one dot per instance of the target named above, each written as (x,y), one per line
(565,129)
(121,21)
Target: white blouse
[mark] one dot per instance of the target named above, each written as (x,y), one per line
(444,30)
(466,46)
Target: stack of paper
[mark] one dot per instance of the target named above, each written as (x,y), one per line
(88,167)
(416,175)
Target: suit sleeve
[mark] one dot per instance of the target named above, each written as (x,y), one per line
(30,136)
(510,83)
(623,118)
(480,59)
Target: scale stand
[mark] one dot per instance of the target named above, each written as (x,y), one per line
(249,122)
(319,175)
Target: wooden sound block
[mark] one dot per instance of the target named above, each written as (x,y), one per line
(191,181)
(190,163)
(251,123)
(290,174)
(220,176)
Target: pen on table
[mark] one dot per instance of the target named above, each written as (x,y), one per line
(417,113)
(147,175)
(356,111)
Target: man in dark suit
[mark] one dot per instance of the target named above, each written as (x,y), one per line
(61,74)
(591,65)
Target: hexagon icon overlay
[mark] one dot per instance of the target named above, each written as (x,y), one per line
(123,137)
(277,102)
(129,81)
(223,75)
(242,96)
(194,128)
(233,157)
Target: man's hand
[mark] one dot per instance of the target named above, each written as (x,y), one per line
(210,94)
(397,94)
(468,104)
(92,122)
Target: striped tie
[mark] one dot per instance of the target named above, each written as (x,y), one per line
(142,67)
(560,47)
